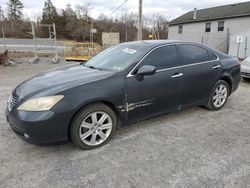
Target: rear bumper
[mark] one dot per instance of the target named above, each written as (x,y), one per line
(39,127)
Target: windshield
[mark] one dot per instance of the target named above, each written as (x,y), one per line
(116,58)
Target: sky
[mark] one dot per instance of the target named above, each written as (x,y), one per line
(169,8)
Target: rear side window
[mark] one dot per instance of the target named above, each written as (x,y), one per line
(162,58)
(195,54)
(212,56)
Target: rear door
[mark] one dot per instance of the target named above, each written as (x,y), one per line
(156,93)
(201,69)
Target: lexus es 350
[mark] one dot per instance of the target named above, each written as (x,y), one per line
(129,82)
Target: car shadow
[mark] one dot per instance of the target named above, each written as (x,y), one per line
(124,132)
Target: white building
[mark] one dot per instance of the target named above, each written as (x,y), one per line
(212,26)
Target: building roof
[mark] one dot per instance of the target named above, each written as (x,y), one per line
(215,13)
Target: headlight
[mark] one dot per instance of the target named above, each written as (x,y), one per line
(245,62)
(41,103)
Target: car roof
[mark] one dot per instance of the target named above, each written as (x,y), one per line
(150,44)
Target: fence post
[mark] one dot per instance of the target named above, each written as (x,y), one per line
(238,49)
(228,40)
(33,33)
(56,58)
(245,54)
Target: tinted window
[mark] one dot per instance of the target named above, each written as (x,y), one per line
(193,54)
(212,56)
(162,58)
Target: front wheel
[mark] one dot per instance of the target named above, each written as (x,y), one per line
(218,96)
(93,126)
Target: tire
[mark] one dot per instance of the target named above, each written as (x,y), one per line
(218,98)
(93,126)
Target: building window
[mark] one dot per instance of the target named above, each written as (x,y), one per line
(221,26)
(180,28)
(208,27)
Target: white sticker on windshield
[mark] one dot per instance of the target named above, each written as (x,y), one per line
(129,51)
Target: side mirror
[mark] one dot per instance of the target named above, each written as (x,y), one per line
(146,70)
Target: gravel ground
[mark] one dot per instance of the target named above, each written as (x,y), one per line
(190,148)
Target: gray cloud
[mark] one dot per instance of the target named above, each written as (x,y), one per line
(169,8)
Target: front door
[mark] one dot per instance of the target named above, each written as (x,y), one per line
(158,93)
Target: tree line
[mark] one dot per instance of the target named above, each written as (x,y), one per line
(75,23)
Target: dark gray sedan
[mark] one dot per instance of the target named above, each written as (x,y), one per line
(85,103)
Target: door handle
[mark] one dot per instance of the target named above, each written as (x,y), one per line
(177,75)
(216,66)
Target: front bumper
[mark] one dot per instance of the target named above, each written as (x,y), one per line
(39,127)
(245,75)
(245,71)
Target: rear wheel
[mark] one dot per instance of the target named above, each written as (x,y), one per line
(93,126)
(218,96)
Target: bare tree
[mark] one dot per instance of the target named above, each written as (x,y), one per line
(1,14)
(158,26)
(83,11)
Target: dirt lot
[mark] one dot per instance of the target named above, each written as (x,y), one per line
(191,148)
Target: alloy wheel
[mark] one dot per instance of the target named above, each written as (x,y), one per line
(220,96)
(95,128)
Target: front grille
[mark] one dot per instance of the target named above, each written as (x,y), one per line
(12,102)
(245,74)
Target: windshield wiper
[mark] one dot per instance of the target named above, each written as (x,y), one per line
(92,67)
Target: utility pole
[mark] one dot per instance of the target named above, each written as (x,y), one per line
(140,20)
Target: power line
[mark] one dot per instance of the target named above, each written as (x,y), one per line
(118,8)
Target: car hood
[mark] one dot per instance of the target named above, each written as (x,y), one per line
(60,79)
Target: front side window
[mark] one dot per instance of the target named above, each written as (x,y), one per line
(221,26)
(195,54)
(208,27)
(162,58)
(180,28)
